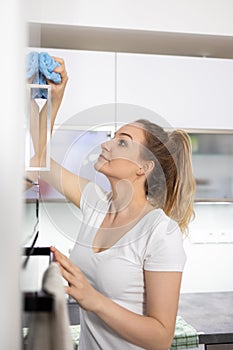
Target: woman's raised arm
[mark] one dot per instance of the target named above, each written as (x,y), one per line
(64,181)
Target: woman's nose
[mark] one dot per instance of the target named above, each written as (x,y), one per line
(106,145)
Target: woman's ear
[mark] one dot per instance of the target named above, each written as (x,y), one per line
(140,171)
(146,168)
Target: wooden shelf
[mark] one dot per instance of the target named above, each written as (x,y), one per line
(128,40)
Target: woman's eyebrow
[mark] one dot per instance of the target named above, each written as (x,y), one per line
(123,134)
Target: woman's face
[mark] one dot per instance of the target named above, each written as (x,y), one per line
(120,156)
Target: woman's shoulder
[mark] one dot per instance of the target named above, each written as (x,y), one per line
(164,228)
(164,248)
(161,220)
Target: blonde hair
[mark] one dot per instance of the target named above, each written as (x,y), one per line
(171,184)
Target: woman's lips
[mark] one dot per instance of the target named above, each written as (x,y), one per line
(103,157)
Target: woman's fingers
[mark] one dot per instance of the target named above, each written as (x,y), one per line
(68,290)
(78,286)
(69,277)
(59,257)
(58,59)
(57,253)
(66,267)
(63,261)
(60,69)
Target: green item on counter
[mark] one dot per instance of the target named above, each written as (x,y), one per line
(185,337)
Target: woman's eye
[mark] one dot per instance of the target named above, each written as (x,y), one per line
(122,143)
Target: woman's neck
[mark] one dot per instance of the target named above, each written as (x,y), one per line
(127,198)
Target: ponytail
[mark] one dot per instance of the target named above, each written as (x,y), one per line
(171,184)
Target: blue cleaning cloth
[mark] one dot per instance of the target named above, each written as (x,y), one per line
(32,65)
(43,64)
(46,67)
(32,71)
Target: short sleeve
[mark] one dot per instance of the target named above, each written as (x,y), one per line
(165,251)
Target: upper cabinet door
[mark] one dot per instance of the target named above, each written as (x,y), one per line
(90,91)
(175,91)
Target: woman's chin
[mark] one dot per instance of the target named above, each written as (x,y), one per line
(98,166)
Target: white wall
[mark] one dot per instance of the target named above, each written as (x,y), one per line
(185,16)
(11,155)
(209,250)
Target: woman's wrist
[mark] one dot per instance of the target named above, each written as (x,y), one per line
(99,303)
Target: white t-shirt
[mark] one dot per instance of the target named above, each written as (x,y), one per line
(155,243)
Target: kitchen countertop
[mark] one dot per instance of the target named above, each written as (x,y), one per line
(211,313)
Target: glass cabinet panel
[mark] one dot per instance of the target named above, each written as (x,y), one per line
(212,158)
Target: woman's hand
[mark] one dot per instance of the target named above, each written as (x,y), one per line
(78,286)
(57,90)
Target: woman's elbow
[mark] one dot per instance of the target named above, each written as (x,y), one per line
(165,342)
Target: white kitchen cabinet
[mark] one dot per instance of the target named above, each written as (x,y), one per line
(90,92)
(201,17)
(186,92)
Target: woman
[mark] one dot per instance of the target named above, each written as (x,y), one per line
(126,267)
